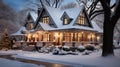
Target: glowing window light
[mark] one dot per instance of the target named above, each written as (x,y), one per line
(98,38)
(57,35)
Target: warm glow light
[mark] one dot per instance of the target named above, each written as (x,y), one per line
(29,36)
(65,21)
(93,36)
(89,36)
(35,35)
(82,32)
(57,35)
(98,38)
(39,32)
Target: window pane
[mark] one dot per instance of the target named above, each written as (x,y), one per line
(65,21)
(81,20)
(45,20)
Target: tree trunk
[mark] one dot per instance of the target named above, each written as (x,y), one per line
(108,40)
(107,34)
(108,31)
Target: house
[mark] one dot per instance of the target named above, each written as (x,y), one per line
(59,27)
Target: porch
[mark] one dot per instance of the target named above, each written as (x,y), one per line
(66,37)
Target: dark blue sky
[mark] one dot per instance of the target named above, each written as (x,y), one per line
(21,4)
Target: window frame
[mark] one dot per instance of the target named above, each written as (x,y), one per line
(45,19)
(81,19)
(65,21)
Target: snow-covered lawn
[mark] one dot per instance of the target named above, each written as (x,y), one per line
(92,60)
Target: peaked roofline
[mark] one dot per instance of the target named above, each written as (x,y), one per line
(77,17)
(64,14)
(44,8)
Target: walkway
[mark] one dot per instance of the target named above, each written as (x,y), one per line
(46,64)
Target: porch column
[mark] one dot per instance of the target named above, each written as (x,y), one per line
(47,35)
(82,38)
(73,36)
(42,37)
(63,36)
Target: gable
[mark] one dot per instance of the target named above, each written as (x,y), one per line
(44,13)
(65,15)
(83,19)
(65,19)
(29,22)
(34,15)
(38,27)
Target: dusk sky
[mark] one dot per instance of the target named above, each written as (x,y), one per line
(21,4)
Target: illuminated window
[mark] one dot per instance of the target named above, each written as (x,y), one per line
(45,20)
(65,20)
(81,19)
(30,26)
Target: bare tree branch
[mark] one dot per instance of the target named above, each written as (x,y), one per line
(52,3)
(92,17)
(116,14)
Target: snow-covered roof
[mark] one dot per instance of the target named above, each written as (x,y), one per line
(65,27)
(46,26)
(19,32)
(57,14)
(96,27)
(33,15)
(72,13)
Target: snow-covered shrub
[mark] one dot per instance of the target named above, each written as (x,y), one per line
(81,48)
(66,48)
(59,51)
(52,47)
(72,53)
(62,52)
(86,52)
(73,49)
(44,50)
(89,47)
(56,51)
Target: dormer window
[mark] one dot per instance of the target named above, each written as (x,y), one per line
(30,26)
(65,21)
(45,20)
(81,20)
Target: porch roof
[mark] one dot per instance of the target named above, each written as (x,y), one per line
(67,27)
(19,32)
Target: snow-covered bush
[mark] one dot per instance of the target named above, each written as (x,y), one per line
(66,48)
(62,52)
(73,49)
(72,53)
(51,48)
(81,48)
(44,50)
(89,47)
(86,52)
(56,51)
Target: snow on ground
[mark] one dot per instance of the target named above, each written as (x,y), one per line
(92,60)
(9,63)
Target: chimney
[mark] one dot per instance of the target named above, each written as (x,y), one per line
(38,11)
